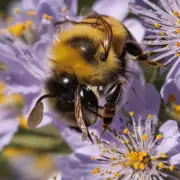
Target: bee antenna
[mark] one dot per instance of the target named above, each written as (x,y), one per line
(45,96)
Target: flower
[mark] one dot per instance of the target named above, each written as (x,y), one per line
(141,150)
(163,27)
(23,47)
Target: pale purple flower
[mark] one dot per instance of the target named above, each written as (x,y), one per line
(171,88)
(23,54)
(139,151)
(162,26)
(11,110)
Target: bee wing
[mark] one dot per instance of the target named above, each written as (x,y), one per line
(36,115)
(79,117)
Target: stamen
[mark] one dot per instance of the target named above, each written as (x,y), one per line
(157,26)
(2,87)
(171,98)
(96,170)
(175,13)
(162,33)
(178,54)
(131,113)
(161,165)
(28,24)
(178,30)
(126,131)
(17,29)
(17,10)
(178,44)
(177,109)
(144,137)
(150,116)
(31,13)
(64,9)
(22,121)
(178,21)
(153,158)
(171,168)
(159,137)
(47,17)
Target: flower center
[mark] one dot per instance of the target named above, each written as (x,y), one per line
(133,151)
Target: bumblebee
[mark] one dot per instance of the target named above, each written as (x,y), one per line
(90,53)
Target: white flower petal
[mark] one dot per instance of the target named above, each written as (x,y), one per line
(136,29)
(115,8)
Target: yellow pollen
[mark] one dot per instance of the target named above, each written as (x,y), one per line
(31,13)
(159,137)
(17,29)
(117,175)
(178,30)
(18,98)
(3,67)
(22,121)
(171,98)
(175,13)
(109,178)
(64,9)
(113,158)
(153,158)
(2,87)
(131,113)
(46,16)
(164,156)
(177,109)
(178,44)
(144,137)
(150,116)
(96,170)
(171,168)
(142,166)
(92,158)
(126,131)
(136,166)
(28,24)
(17,10)
(157,26)
(178,21)
(15,152)
(161,165)
(162,33)
(2,99)
(178,54)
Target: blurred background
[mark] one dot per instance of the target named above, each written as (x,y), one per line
(4,4)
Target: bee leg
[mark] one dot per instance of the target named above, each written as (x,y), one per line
(112,97)
(135,50)
(114,92)
(79,117)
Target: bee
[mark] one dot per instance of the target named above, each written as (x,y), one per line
(90,53)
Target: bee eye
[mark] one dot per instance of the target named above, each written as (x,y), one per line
(89,104)
(85,46)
